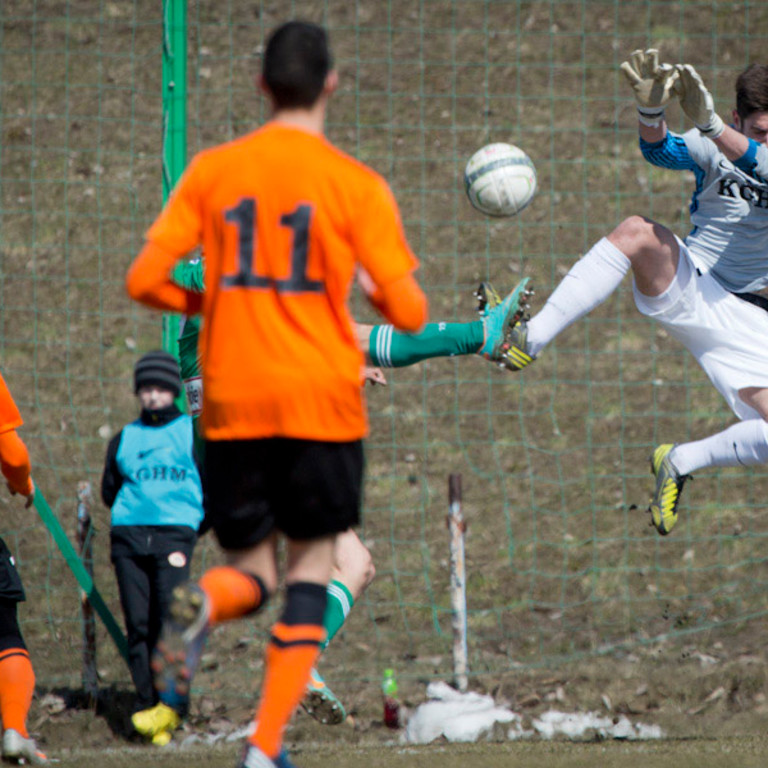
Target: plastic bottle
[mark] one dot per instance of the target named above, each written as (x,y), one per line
(391,702)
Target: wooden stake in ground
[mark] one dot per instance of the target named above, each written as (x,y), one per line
(457,528)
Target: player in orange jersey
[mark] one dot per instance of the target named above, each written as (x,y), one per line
(17,678)
(285,220)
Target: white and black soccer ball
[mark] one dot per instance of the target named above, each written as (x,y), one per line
(500,179)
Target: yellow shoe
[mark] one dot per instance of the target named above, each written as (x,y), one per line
(157,723)
(516,356)
(669,486)
(504,328)
(162,739)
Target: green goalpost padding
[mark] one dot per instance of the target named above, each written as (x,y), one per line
(174,124)
(84,579)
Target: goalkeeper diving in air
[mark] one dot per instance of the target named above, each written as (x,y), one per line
(708,290)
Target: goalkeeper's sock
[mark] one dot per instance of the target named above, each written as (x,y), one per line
(589,282)
(293,648)
(743,444)
(389,348)
(232,593)
(340,602)
(17,685)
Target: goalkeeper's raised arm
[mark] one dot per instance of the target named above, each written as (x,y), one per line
(747,137)
(654,87)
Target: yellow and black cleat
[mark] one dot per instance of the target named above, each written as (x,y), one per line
(516,357)
(503,325)
(669,486)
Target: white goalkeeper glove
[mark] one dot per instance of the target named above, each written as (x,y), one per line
(653,84)
(696,101)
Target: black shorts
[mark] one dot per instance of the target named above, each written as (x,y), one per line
(10,581)
(304,488)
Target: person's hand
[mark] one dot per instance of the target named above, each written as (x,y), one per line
(653,84)
(30,497)
(374,376)
(696,101)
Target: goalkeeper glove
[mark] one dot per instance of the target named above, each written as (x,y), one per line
(652,83)
(696,101)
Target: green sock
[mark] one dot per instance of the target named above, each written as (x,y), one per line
(389,348)
(340,602)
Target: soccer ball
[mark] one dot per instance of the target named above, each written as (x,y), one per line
(500,179)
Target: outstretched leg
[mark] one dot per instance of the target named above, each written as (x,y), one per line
(648,249)
(386,347)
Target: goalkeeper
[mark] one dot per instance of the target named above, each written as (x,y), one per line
(710,290)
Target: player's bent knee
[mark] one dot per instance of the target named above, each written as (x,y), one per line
(633,227)
(637,235)
(353,563)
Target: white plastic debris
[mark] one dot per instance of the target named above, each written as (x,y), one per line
(472,716)
(578,725)
(456,716)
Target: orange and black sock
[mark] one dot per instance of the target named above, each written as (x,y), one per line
(17,685)
(291,653)
(232,593)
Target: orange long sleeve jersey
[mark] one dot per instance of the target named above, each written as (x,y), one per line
(14,457)
(284,219)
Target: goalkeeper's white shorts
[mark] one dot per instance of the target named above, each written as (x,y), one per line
(727,335)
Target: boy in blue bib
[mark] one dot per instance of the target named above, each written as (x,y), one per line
(152,484)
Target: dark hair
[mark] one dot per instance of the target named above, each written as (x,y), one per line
(159,368)
(297,60)
(752,90)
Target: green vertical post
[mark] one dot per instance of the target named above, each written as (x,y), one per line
(174,121)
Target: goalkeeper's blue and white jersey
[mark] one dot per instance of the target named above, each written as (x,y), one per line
(729,208)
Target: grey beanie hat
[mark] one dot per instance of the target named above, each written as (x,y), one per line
(159,368)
